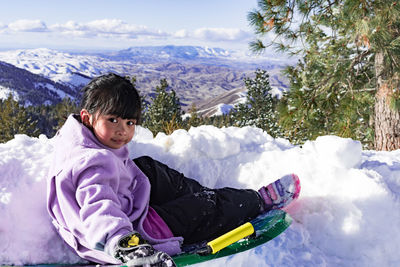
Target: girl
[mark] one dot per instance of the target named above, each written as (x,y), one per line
(111,209)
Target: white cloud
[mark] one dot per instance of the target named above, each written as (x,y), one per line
(115,29)
(181,34)
(71,28)
(25,25)
(106,28)
(214,34)
(3,27)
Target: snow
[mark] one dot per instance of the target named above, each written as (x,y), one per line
(5,92)
(55,65)
(348,212)
(223,109)
(64,67)
(51,87)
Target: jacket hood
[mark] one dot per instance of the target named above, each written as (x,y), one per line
(75,133)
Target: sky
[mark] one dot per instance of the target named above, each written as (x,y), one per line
(119,24)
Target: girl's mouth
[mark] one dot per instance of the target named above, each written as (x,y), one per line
(118,141)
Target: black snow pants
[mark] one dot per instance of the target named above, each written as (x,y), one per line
(193,211)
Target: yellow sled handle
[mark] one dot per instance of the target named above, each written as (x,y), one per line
(231,237)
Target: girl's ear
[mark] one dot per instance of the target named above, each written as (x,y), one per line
(86,117)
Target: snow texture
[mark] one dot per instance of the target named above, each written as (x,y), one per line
(5,92)
(348,212)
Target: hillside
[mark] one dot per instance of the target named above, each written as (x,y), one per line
(29,88)
(195,73)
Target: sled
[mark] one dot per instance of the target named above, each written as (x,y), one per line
(262,229)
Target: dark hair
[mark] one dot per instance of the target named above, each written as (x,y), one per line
(111,94)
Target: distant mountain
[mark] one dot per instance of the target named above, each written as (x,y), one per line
(29,88)
(72,70)
(221,104)
(169,53)
(193,55)
(195,73)
(225,102)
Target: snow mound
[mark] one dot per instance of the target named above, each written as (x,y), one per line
(347,213)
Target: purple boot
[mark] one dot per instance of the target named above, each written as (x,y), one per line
(280,193)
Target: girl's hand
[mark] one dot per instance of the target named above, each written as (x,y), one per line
(133,250)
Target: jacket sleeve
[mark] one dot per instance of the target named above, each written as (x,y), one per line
(102,218)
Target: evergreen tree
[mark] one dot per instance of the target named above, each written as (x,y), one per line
(144,103)
(62,110)
(259,107)
(350,62)
(44,116)
(164,113)
(50,118)
(133,80)
(15,120)
(194,119)
(224,120)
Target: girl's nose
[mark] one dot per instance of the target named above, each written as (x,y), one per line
(121,129)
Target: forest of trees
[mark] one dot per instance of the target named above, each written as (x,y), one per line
(162,113)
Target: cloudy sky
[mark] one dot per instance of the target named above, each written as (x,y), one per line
(119,24)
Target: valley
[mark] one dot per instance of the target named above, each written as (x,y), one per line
(198,75)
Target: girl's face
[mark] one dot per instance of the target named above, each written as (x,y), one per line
(110,130)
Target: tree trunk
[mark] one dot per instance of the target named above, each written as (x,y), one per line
(387,119)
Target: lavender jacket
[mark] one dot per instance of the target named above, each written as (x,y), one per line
(96,195)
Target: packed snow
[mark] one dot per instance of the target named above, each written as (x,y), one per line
(348,213)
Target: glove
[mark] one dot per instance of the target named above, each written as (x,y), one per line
(133,250)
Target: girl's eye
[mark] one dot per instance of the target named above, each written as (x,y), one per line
(131,123)
(114,120)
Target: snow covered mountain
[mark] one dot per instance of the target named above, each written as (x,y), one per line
(29,88)
(195,73)
(170,52)
(72,70)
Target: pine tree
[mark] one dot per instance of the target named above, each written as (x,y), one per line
(15,120)
(144,103)
(62,110)
(259,107)
(44,116)
(350,62)
(194,119)
(224,120)
(164,113)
